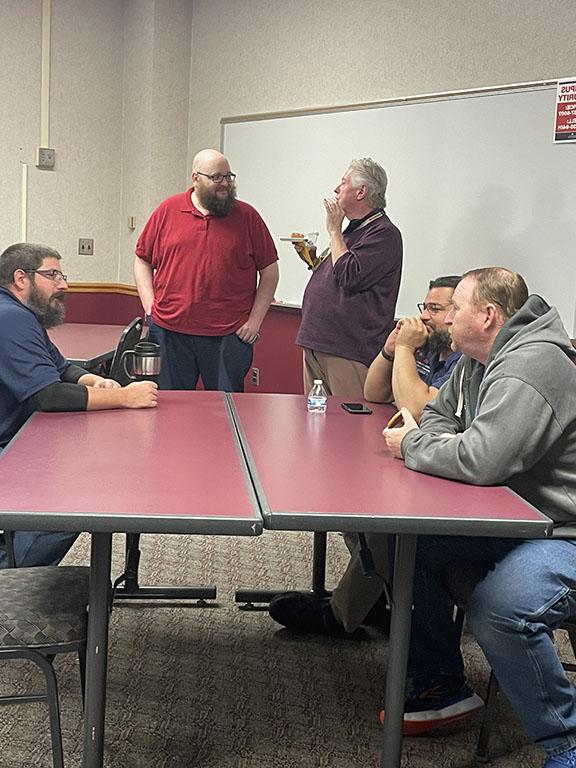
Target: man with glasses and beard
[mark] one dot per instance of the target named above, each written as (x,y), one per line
(34,376)
(206,271)
(417,358)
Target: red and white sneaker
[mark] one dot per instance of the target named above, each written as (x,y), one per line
(437,703)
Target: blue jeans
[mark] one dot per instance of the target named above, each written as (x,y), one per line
(33,548)
(221,361)
(529,589)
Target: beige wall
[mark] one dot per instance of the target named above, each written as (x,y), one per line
(157,37)
(80,198)
(138,86)
(261,55)
(119,91)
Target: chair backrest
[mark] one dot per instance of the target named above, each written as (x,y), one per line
(130,336)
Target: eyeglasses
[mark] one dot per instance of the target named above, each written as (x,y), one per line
(433,309)
(52,274)
(218,178)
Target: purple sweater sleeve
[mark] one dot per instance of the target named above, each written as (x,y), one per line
(372,257)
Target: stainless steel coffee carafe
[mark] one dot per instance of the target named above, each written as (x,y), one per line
(144,361)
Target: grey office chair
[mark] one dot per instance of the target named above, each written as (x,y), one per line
(129,337)
(43,612)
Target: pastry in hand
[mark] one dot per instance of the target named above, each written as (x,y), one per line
(306,251)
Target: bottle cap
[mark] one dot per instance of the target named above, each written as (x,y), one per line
(317,381)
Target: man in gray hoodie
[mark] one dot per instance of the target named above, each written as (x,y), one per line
(507,416)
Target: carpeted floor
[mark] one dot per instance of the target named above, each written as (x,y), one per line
(219,687)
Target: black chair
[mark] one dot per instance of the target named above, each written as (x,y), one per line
(43,612)
(129,337)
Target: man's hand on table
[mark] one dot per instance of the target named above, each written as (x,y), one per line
(141,394)
(103,383)
(96,381)
(395,435)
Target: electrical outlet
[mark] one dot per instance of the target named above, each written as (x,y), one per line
(46,158)
(86,246)
(255,377)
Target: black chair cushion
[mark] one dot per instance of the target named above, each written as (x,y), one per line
(45,606)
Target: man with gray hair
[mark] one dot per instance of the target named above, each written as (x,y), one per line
(349,303)
(35,377)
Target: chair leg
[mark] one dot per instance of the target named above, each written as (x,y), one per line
(45,664)
(82,665)
(483,746)
(572,638)
(319,564)
(132,561)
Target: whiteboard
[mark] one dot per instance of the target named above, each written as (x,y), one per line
(474,180)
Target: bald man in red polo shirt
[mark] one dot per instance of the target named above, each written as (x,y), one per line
(206,269)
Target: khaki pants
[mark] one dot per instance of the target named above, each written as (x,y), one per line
(340,376)
(356,594)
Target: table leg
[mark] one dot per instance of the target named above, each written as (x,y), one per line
(318,589)
(319,564)
(401,619)
(97,652)
(133,591)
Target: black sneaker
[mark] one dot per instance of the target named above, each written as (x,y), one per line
(437,703)
(307,614)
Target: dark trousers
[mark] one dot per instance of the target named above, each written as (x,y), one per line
(221,361)
(32,548)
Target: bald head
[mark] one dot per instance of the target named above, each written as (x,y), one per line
(207,158)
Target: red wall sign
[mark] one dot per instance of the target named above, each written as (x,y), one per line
(565,118)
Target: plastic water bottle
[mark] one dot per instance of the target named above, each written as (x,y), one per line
(317,398)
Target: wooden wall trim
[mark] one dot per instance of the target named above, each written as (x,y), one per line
(130,290)
(126,290)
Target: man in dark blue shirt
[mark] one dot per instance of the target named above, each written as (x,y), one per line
(417,358)
(34,376)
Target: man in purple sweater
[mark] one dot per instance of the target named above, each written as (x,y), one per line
(349,303)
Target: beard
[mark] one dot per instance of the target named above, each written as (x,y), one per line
(439,341)
(218,206)
(49,312)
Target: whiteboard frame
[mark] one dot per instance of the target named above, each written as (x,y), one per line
(399,101)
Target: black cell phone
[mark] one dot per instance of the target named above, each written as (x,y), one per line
(356,408)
